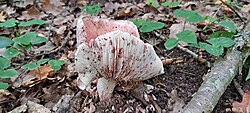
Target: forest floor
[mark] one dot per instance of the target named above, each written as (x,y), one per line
(57,91)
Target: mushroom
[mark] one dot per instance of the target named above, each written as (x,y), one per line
(112,52)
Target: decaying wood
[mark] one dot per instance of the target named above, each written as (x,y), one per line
(216,81)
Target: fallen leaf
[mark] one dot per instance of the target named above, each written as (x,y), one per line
(246,8)
(57,39)
(60,20)
(32,13)
(3,16)
(127,12)
(178,102)
(51,7)
(110,7)
(91,108)
(42,72)
(244,106)
(37,108)
(61,30)
(7,9)
(6,95)
(82,2)
(20,109)
(24,3)
(219,2)
(227,10)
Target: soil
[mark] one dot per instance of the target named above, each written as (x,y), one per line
(184,76)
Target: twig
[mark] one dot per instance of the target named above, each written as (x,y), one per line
(238,87)
(50,27)
(237,14)
(200,59)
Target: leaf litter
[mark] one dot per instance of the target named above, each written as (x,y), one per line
(49,90)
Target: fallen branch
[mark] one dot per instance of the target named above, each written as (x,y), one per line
(194,55)
(216,82)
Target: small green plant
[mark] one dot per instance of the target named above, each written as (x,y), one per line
(92,9)
(247,66)
(152,3)
(170,4)
(21,44)
(148,26)
(190,16)
(217,41)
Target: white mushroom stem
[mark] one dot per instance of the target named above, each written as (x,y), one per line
(105,88)
(84,80)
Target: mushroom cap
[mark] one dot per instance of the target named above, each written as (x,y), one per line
(91,27)
(120,56)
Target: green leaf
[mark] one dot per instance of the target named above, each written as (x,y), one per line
(30,66)
(187,36)
(221,34)
(191,16)
(211,19)
(31,22)
(229,25)
(170,4)
(10,53)
(153,3)
(150,26)
(248,75)
(3,85)
(21,47)
(38,40)
(222,41)
(5,42)
(92,9)
(7,73)
(26,38)
(9,23)
(213,49)
(171,43)
(42,61)
(56,64)
(4,63)
(139,22)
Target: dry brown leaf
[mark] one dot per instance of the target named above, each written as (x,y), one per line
(178,102)
(110,7)
(227,10)
(24,3)
(82,2)
(8,10)
(42,72)
(129,11)
(246,8)
(244,106)
(3,16)
(50,7)
(61,30)
(32,13)
(219,2)
(6,95)
(60,20)
(57,39)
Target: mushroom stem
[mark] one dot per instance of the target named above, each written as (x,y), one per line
(84,80)
(105,88)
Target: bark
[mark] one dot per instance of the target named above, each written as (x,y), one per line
(216,81)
